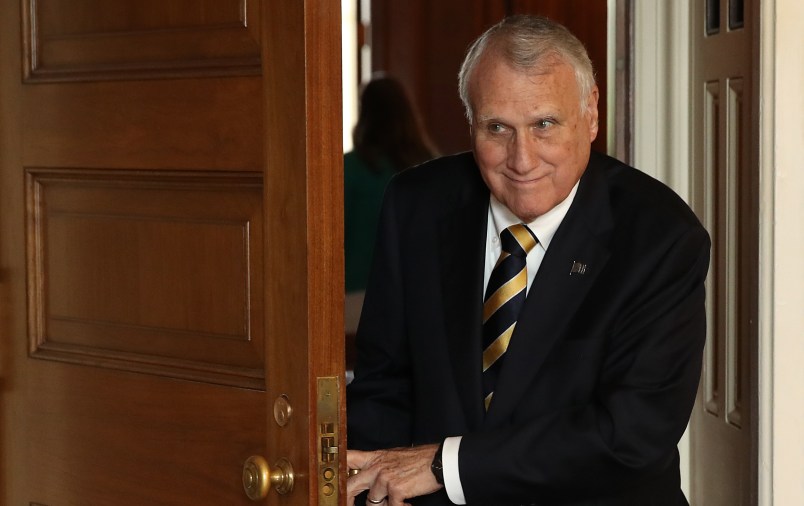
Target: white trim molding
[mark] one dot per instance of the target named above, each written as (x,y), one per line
(662,92)
(661,130)
(765,309)
(781,306)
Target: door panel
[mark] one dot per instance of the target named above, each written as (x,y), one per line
(725,189)
(113,272)
(85,39)
(170,249)
(209,123)
(96,436)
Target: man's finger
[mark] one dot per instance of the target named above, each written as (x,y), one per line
(354,487)
(364,478)
(356,459)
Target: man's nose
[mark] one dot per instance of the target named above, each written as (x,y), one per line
(522,153)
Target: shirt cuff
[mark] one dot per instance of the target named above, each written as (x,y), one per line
(452,478)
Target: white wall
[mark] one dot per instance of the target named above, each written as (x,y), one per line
(349,69)
(781,318)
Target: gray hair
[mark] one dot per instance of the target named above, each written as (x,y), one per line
(528,42)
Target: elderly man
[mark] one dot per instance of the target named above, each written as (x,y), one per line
(534,320)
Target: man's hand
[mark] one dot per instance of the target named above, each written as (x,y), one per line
(393,475)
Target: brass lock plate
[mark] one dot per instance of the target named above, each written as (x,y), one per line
(328,451)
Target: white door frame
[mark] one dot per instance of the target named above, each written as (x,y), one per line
(661,128)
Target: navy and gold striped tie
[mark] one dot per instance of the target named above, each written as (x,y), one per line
(505,296)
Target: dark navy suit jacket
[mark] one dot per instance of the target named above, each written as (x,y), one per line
(601,373)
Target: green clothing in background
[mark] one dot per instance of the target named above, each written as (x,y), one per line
(363,192)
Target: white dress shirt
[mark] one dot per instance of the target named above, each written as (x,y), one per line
(499,218)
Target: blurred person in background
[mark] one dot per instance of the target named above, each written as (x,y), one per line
(388,138)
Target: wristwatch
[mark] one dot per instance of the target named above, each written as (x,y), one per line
(437,466)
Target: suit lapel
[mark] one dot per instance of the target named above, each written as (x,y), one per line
(556,292)
(462,236)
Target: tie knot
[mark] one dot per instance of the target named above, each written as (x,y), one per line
(517,240)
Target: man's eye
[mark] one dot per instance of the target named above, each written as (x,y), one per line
(495,128)
(543,124)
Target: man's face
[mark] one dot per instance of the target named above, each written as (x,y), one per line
(529,136)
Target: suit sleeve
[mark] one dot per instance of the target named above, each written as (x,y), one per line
(379,399)
(627,433)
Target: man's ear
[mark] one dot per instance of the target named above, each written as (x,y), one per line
(591,112)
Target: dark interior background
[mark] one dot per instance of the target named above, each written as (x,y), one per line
(422,43)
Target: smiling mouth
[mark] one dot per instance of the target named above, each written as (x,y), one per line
(523,181)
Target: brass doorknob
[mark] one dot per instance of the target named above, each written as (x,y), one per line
(258,477)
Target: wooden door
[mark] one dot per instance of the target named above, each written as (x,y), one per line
(170,250)
(725,192)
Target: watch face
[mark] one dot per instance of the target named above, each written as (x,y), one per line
(439,474)
(437,467)
(438,471)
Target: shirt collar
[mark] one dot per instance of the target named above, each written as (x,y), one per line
(544,226)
